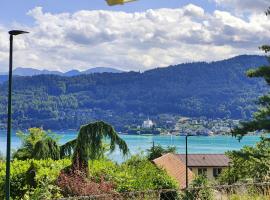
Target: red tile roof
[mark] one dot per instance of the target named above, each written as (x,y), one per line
(175,168)
(205,160)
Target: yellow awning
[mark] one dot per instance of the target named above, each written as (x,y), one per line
(117,2)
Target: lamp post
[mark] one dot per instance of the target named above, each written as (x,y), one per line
(187,159)
(11,34)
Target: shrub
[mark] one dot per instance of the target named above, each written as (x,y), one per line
(33,178)
(199,189)
(44,191)
(136,174)
(248,163)
(45,171)
(74,183)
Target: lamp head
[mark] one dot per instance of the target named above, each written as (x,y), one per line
(17,32)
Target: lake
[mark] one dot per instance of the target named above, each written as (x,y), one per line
(139,143)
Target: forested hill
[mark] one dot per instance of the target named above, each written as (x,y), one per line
(217,89)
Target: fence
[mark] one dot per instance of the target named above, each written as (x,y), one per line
(248,191)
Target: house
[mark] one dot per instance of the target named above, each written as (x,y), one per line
(148,124)
(175,168)
(210,165)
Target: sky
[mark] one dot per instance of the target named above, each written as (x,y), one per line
(145,34)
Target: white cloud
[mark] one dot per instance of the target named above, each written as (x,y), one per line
(134,41)
(193,11)
(245,5)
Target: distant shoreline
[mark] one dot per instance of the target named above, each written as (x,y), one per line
(160,135)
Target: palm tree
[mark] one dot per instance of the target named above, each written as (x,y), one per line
(89,144)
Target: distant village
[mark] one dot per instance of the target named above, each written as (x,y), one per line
(183,126)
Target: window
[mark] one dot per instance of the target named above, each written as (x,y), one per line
(216,172)
(202,171)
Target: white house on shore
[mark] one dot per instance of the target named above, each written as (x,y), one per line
(148,124)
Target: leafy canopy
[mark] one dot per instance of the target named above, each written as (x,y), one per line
(248,163)
(37,144)
(90,144)
(157,150)
(136,174)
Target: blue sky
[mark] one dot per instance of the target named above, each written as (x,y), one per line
(80,34)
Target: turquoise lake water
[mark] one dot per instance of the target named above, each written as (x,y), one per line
(139,143)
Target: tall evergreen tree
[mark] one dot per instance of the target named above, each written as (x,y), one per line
(37,144)
(46,148)
(261,119)
(89,144)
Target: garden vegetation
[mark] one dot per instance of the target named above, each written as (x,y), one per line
(43,169)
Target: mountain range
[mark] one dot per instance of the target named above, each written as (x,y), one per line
(26,71)
(213,90)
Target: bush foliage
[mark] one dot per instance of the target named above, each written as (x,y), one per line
(204,193)
(248,164)
(136,174)
(37,144)
(157,150)
(45,171)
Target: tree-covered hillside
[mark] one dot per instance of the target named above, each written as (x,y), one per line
(218,89)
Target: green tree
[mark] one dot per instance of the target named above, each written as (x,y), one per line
(89,145)
(46,148)
(261,118)
(37,144)
(157,150)
(249,163)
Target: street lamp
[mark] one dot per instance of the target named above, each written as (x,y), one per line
(11,34)
(187,159)
(118,2)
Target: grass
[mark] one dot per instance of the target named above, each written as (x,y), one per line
(249,197)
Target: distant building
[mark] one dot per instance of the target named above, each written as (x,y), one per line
(210,165)
(148,124)
(183,120)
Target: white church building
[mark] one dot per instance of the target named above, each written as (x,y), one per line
(148,124)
